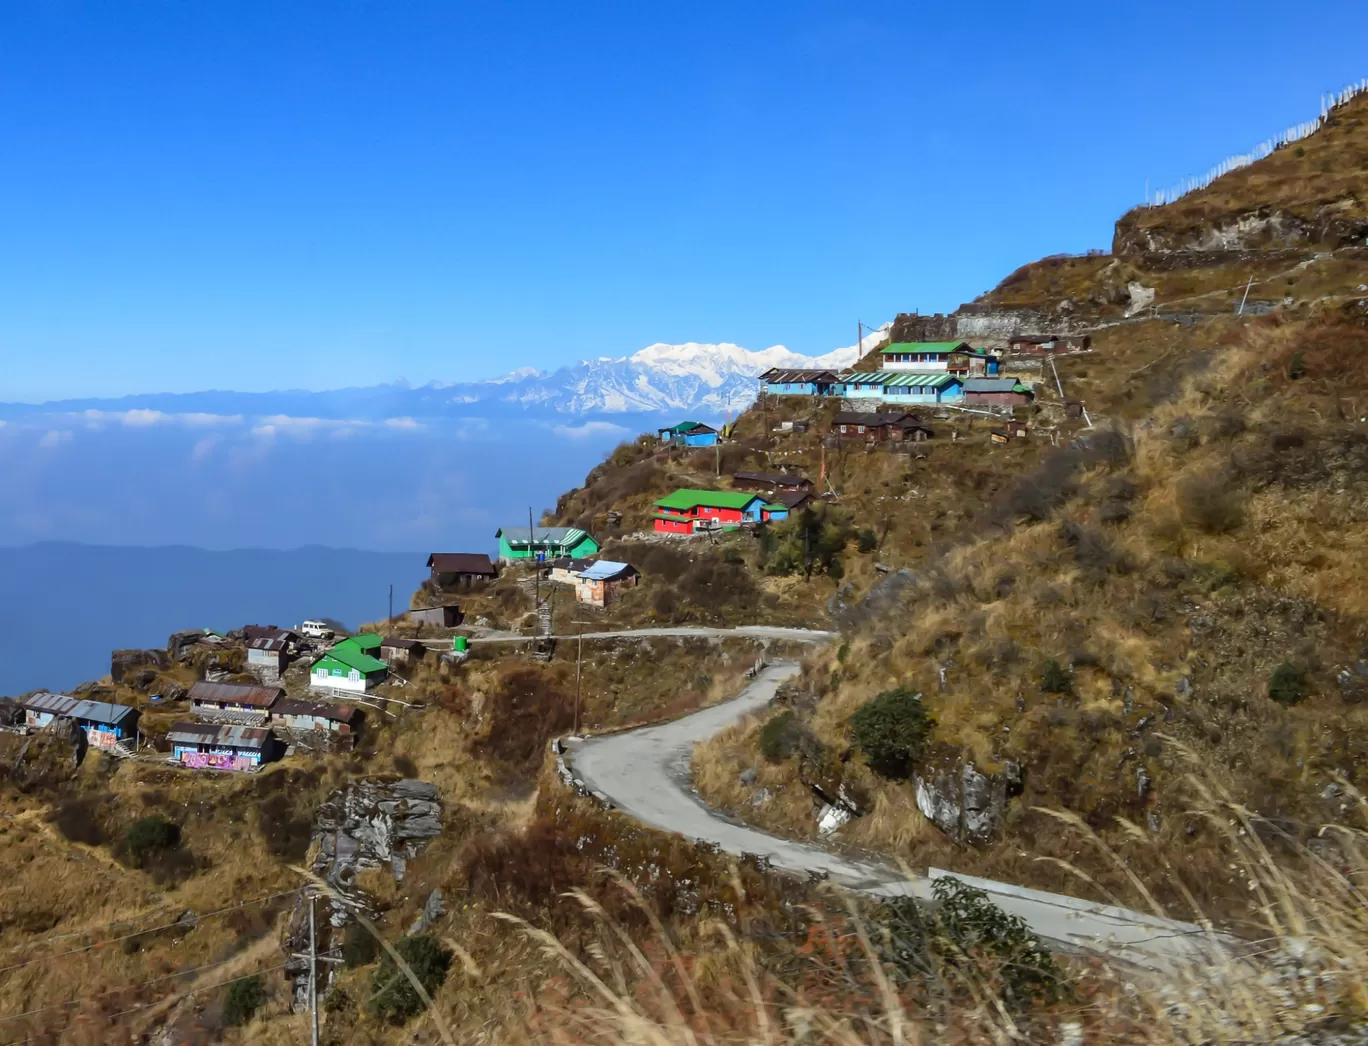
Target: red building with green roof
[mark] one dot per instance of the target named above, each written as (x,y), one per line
(683,511)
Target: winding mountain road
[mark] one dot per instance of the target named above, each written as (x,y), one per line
(797,635)
(645,773)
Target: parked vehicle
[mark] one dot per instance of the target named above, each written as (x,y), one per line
(316,630)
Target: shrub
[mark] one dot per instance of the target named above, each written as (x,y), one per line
(780,736)
(244,997)
(1287,684)
(392,996)
(1054,679)
(1211,503)
(891,730)
(359,946)
(1296,367)
(978,928)
(867,540)
(147,837)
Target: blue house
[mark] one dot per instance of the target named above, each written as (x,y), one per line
(689,434)
(105,724)
(868,385)
(780,382)
(912,389)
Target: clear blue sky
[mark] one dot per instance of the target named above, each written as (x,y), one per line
(260,194)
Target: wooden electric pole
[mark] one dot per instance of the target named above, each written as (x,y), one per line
(391,613)
(532,551)
(579,660)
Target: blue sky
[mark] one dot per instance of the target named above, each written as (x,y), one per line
(259,195)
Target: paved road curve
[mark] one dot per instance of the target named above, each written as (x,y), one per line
(646,774)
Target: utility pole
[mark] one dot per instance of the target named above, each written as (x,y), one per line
(579,660)
(314,959)
(859,340)
(532,551)
(391,613)
(1246,295)
(313,970)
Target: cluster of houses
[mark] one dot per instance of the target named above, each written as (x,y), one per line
(910,374)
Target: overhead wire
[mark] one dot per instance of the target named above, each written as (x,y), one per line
(146,1005)
(138,933)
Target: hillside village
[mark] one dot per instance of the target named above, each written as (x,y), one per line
(1092,544)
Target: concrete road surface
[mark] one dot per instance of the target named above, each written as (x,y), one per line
(646,773)
(799,635)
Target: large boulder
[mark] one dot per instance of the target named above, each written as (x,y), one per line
(124,664)
(964,802)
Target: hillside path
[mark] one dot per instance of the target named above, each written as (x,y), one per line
(645,773)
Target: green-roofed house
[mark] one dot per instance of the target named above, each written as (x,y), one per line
(345,667)
(688,510)
(363,642)
(689,434)
(939,357)
(544,543)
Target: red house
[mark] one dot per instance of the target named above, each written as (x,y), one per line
(684,510)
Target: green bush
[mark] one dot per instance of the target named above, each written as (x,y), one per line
(147,837)
(1296,367)
(810,542)
(977,928)
(244,997)
(392,996)
(359,946)
(867,541)
(1054,679)
(891,730)
(966,931)
(780,737)
(1287,684)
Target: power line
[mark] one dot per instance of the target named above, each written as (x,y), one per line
(138,933)
(146,1005)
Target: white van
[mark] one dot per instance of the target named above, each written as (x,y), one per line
(315,630)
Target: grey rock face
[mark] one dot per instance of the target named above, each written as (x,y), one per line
(366,824)
(965,803)
(433,909)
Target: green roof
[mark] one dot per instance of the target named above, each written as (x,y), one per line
(924,346)
(867,377)
(775,508)
(683,500)
(362,641)
(901,380)
(672,517)
(686,426)
(353,658)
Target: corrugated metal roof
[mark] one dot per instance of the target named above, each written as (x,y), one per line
(605,570)
(318,709)
(994,385)
(218,734)
(353,658)
(686,498)
(545,535)
(76,708)
(778,376)
(461,563)
(934,381)
(396,643)
(685,427)
(773,479)
(236,694)
(866,377)
(266,644)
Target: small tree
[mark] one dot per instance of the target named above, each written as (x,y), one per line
(891,730)
(1054,679)
(147,837)
(244,997)
(867,541)
(1287,685)
(392,995)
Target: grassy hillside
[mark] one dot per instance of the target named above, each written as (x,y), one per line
(1146,638)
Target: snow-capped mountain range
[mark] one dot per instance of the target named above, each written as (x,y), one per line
(705,379)
(692,379)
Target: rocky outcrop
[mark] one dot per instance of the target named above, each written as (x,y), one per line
(370,824)
(1329,226)
(125,665)
(366,824)
(963,802)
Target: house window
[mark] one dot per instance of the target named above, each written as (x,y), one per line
(860,428)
